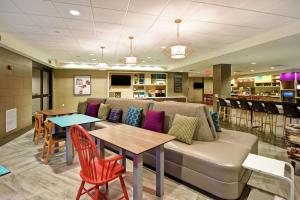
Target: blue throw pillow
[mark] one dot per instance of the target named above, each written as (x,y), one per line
(134,116)
(215,119)
(115,115)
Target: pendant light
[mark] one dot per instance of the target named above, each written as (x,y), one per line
(178,51)
(102,65)
(130,60)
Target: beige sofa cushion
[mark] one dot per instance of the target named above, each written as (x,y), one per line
(205,130)
(218,160)
(124,104)
(96,100)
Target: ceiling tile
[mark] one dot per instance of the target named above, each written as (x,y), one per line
(15,18)
(78,2)
(176,9)
(8,6)
(109,16)
(46,21)
(38,7)
(139,20)
(111,4)
(27,29)
(107,27)
(153,7)
(80,25)
(57,31)
(64,11)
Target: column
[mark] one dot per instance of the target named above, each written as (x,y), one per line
(221,82)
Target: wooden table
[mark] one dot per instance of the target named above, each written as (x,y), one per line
(66,122)
(137,141)
(56,112)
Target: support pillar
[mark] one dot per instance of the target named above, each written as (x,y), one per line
(221,82)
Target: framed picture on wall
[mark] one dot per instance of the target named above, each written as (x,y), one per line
(82,85)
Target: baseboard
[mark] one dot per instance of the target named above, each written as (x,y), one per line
(14,135)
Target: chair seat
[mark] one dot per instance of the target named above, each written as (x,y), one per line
(118,170)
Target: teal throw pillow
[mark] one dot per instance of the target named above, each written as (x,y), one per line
(215,119)
(134,116)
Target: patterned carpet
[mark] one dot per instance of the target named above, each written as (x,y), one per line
(30,179)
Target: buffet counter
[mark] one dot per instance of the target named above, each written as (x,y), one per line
(259,98)
(178,99)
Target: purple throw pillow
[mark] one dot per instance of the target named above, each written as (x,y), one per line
(92,109)
(115,115)
(154,121)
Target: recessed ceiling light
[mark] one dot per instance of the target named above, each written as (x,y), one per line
(272,67)
(149,57)
(74,12)
(252,70)
(253,63)
(94,59)
(163,47)
(199,72)
(91,54)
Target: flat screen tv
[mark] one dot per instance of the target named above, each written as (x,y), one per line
(198,85)
(120,80)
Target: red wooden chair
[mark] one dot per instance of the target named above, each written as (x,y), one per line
(94,169)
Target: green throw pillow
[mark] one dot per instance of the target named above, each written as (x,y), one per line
(104,110)
(183,128)
(81,108)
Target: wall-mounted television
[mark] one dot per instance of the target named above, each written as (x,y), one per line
(198,85)
(120,80)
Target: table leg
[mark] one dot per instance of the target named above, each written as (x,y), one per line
(92,126)
(100,146)
(69,152)
(138,177)
(160,170)
(122,152)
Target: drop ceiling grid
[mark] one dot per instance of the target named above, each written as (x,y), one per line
(139,19)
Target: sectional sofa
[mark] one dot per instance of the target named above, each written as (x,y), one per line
(213,165)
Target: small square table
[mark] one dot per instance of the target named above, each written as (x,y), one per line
(66,122)
(270,167)
(137,141)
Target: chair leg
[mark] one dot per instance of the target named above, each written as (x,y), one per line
(49,151)
(80,190)
(96,193)
(44,149)
(123,187)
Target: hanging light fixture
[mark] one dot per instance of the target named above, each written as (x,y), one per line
(130,60)
(178,51)
(102,65)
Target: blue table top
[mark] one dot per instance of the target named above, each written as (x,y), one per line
(70,120)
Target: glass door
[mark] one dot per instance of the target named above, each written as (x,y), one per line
(41,89)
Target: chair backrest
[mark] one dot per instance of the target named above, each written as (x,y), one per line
(48,130)
(38,121)
(271,108)
(89,156)
(257,106)
(290,110)
(234,103)
(222,102)
(245,105)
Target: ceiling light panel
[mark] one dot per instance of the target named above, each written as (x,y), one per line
(64,11)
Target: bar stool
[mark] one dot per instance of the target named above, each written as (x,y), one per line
(272,111)
(258,112)
(290,110)
(38,127)
(223,110)
(234,107)
(245,112)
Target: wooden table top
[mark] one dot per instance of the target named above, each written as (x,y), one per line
(133,139)
(59,111)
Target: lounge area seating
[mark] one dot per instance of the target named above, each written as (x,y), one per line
(213,162)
